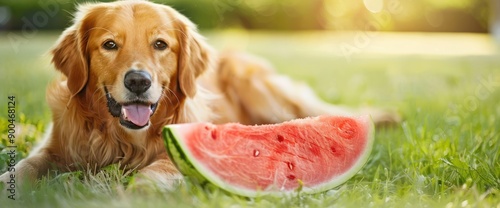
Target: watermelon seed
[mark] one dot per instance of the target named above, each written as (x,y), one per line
(347,130)
(290,165)
(214,134)
(280,138)
(334,150)
(256,153)
(290,177)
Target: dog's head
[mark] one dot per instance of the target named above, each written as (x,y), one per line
(135,56)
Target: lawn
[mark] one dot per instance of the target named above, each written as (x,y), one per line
(445,153)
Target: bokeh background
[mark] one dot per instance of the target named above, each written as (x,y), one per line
(301,38)
(381,15)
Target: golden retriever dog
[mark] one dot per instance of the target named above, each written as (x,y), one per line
(131,67)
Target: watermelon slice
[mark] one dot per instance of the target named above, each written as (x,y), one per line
(311,154)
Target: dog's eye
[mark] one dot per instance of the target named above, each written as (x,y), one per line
(110,45)
(160,45)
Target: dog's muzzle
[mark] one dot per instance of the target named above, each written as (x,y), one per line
(133,115)
(136,113)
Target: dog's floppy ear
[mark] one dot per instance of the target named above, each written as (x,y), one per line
(69,53)
(69,59)
(194,55)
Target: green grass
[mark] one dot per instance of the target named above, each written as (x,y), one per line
(446,153)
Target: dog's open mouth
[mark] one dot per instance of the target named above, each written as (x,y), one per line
(133,115)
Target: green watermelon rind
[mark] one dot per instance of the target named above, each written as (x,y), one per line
(188,166)
(179,158)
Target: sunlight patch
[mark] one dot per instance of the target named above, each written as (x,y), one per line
(374,6)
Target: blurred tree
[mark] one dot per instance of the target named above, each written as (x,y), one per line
(399,15)
(495,19)
(443,16)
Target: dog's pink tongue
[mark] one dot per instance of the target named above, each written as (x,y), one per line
(137,114)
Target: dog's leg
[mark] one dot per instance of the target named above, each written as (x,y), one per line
(161,174)
(259,95)
(25,173)
(298,100)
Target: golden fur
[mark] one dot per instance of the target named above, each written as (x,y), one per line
(190,82)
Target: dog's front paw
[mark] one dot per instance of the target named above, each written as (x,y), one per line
(8,186)
(4,179)
(382,117)
(146,183)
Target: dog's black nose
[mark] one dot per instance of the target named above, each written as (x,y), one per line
(137,81)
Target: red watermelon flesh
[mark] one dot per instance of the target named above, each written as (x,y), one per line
(315,154)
